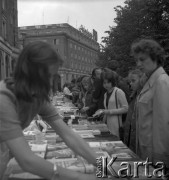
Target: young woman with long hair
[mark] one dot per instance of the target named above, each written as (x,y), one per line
(25,96)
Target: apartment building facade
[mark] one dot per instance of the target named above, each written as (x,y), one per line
(8,37)
(77,47)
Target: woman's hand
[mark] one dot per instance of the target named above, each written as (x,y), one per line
(98,112)
(84,109)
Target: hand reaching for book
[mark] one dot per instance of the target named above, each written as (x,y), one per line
(98,112)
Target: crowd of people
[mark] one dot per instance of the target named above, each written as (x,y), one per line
(135,109)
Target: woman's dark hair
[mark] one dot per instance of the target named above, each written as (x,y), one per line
(151,48)
(110,76)
(94,71)
(32,78)
(66,85)
(73,81)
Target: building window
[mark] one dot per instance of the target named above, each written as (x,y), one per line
(11,18)
(13,65)
(3,4)
(70,45)
(1,66)
(37,27)
(56,41)
(4,28)
(67,77)
(7,65)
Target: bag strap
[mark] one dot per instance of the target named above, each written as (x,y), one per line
(117,107)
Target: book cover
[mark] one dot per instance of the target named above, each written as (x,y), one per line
(75,164)
(122,155)
(102,154)
(13,167)
(64,153)
(38,147)
(113,144)
(56,146)
(24,175)
(86,135)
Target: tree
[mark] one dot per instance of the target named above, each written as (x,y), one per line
(137,19)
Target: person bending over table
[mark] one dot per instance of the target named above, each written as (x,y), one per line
(26,95)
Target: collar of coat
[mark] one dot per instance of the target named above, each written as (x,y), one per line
(150,82)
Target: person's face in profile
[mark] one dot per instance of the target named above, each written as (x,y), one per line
(145,63)
(85,83)
(98,73)
(134,81)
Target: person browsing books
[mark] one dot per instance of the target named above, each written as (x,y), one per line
(115,103)
(23,97)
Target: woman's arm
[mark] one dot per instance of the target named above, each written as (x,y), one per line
(27,160)
(74,141)
(32,163)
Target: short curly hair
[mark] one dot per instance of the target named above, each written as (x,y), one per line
(151,48)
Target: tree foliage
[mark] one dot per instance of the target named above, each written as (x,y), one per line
(137,19)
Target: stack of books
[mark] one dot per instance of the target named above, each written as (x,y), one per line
(38,149)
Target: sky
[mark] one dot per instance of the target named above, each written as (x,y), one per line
(92,14)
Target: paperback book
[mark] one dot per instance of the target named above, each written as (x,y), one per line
(56,146)
(75,164)
(64,153)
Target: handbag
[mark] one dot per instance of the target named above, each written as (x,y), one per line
(121,129)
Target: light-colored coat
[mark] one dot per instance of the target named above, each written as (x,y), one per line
(152,124)
(111,119)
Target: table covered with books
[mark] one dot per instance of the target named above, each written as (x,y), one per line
(51,147)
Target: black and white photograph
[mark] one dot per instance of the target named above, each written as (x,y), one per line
(84,89)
